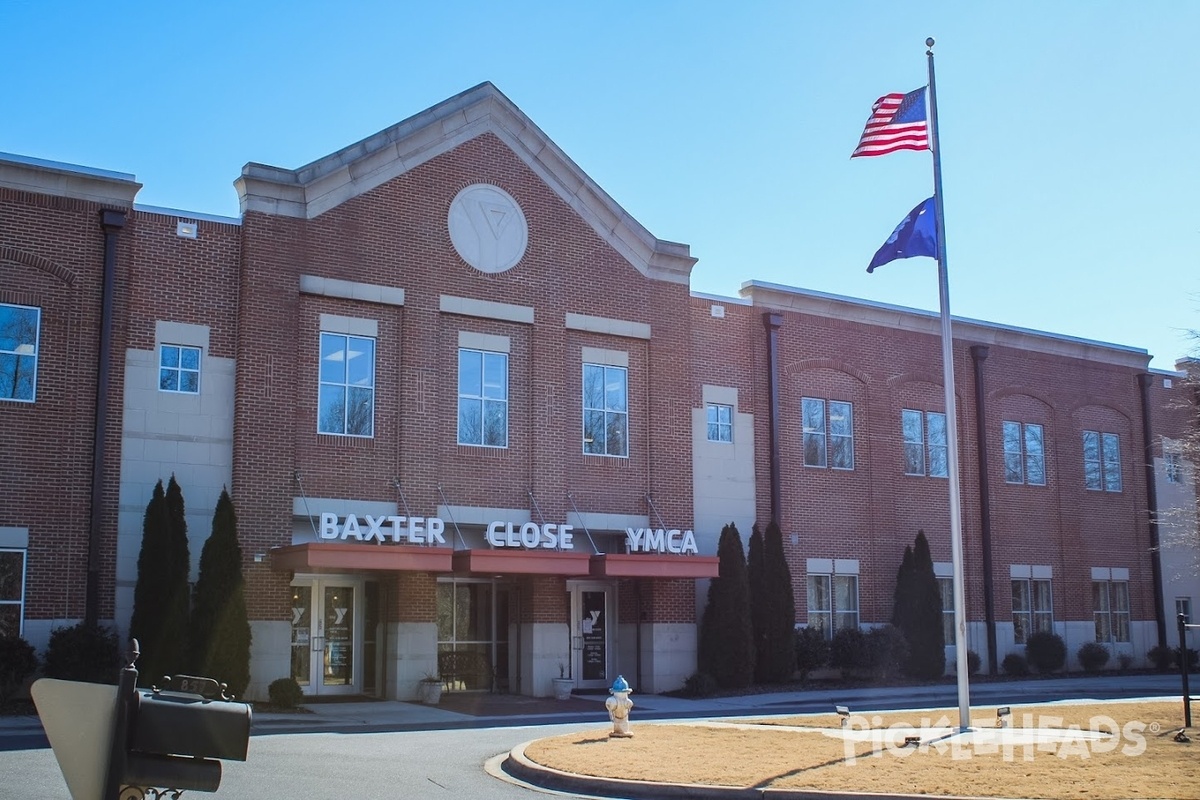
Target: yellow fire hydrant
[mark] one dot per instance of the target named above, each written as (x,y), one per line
(618,708)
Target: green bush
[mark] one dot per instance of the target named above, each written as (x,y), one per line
(1193,658)
(1124,661)
(1014,664)
(812,650)
(974,662)
(1047,652)
(83,652)
(285,693)
(17,662)
(848,651)
(1161,657)
(887,651)
(1092,656)
(700,684)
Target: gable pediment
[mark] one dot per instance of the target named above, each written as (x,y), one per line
(311,190)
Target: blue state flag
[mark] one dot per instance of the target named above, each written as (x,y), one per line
(915,236)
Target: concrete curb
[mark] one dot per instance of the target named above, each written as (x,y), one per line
(518,766)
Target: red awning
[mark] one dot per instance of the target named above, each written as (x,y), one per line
(653,565)
(316,556)
(515,561)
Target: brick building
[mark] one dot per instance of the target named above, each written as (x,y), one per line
(464,403)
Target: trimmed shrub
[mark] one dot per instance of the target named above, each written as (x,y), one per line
(812,650)
(700,684)
(917,612)
(1014,664)
(83,652)
(1092,656)
(17,662)
(1047,652)
(772,607)
(848,651)
(1193,658)
(1161,657)
(974,662)
(726,644)
(887,651)
(220,632)
(285,693)
(1124,661)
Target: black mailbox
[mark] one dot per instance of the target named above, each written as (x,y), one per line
(179,724)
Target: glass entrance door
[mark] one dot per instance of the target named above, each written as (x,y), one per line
(592,634)
(327,640)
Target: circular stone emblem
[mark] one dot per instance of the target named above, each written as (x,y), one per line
(487,228)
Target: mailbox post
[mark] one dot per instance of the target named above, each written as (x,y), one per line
(162,742)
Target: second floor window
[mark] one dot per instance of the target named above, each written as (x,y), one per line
(19,327)
(605,410)
(346,400)
(482,398)
(1102,461)
(924,433)
(1173,461)
(720,423)
(828,437)
(1024,454)
(179,369)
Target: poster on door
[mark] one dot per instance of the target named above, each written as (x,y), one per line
(595,654)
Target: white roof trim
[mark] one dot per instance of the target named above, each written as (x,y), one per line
(326,183)
(59,179)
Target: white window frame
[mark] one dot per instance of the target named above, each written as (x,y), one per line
(178,370)
(825,434)
(485,402)
(1110,610)
(1183,605)
(1019,455)
(946,589)
(610,413)
(720,422)
(19,601)
(346,384)
(923,444)
(1173,461)
(1033,618)
(832,616)
(23,354)
(1105,474)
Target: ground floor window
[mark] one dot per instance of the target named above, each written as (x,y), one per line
(1110,602)
(946,588)
(1183,605)
(832,602)
(12,592)
(1033,608)
(473,633)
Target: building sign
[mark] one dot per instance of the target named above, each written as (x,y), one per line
(528,535)
(647,540)
(414,530)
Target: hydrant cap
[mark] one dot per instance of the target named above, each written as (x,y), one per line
(620,684)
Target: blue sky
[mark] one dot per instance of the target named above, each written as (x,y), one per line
(1068,129)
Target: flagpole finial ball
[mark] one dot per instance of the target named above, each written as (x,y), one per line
(929,42)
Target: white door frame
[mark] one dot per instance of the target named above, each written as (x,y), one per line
(585,648)
(320,647)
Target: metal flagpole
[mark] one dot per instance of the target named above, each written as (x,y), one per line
(956,548)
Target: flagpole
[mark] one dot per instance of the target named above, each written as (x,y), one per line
(956,548)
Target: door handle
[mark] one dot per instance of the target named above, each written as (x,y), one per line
(318,644)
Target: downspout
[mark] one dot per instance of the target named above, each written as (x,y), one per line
(772,323)
(979,354)
(112,222)
(1145,380)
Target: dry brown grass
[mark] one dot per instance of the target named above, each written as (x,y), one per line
(790,753)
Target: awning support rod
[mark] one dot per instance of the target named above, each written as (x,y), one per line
(450,514)
(304,497)
(579,516)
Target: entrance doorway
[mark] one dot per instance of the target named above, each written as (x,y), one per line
(593,627)
(327,634)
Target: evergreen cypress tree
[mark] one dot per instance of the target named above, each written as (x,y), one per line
(758,600)
(776,654)
(726,647)
(902,597)
(177,601)
(153,585)
(220,630)
(926,639)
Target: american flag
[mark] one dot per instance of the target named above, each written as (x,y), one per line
(897,123)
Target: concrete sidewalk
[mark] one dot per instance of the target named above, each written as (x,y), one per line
(457,712)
